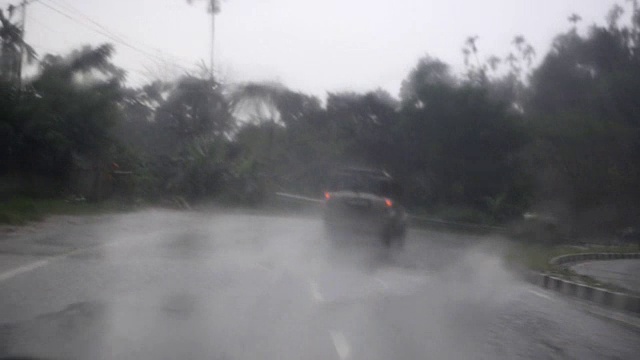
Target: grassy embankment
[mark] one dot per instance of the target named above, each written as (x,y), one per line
(21,210)
(532,254)
(537,257)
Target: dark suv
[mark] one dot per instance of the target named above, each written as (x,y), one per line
(364,200)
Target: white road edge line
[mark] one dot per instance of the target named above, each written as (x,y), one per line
(36,265)
(315,291)
(542,295)
(23,269)
(46,261)
(340,343)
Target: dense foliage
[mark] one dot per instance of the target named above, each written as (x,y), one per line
(489,145)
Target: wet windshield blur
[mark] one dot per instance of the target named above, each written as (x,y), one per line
(337,179)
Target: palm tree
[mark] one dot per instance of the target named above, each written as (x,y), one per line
(574,19)
(260,103)
(214,5)
(213,8)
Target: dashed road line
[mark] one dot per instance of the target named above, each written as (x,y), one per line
(542,295)
(341,344)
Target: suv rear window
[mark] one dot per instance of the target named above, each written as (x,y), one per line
(381,186)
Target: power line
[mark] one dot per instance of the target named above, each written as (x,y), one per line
(36,20)
(69,7)
(103,33)
(87,18)
(112,37)
(103,28)
(45,48)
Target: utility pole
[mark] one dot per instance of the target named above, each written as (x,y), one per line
(22,40)
(213,31)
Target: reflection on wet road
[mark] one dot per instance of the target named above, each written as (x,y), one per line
(168,285)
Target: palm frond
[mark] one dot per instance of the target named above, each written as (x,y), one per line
(213,6)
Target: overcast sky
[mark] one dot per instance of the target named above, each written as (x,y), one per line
(311,46)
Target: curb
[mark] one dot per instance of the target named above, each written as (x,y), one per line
(611,299)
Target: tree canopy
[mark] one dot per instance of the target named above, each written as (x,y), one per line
(497,140)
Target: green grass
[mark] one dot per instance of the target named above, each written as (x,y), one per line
(18,211)
(537,256)
(21,210)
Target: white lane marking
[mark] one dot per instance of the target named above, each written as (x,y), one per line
(340,343)
(542,295)
(23,269)
(315,291)
(44,262)
(36,265)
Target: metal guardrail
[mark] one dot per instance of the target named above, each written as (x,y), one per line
(607,298)
(572,258)
(419,220)
(300,198)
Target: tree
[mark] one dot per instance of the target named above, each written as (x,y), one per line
(77,97)
(284,135)
(583,115)
(213,8)
(213,5)
(63,116)
(460,142)
(188,136)
(364,124)
(194,108)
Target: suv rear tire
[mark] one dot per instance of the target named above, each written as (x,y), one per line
(387,237)
(391,237)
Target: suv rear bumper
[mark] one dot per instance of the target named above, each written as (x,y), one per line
(378,224)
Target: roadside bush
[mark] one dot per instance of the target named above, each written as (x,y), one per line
(18,211)
(463,214)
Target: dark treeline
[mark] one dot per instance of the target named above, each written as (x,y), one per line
(487,145)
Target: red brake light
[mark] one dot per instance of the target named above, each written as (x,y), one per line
(388,202)
(327,195)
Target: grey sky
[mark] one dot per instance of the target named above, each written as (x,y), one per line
(312,46)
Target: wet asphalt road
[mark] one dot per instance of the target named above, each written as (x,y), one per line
(171,285)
